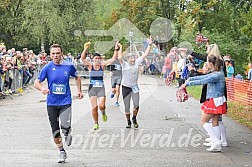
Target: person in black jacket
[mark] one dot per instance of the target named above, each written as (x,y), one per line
(192,71)
(211,49)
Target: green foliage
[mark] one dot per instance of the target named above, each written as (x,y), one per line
(194,91)
(236,111)
(31,23)
(226,46)
(246,29)
(28,23)
(240,113)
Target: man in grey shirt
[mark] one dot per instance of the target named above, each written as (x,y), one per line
(130,89)
(116,78)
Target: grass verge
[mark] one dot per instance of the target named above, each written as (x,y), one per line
(236,111)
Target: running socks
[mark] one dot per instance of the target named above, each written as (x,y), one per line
(104,116)
(135,124)
(129,124)
(61,149)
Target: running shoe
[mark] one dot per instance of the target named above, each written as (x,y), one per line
(208,139)
(104,117)
(224,144)
(2,94)
(135,124)
(96,126)
(112,95)
(68,139)
(129,124)
(208,144)
(117,104)
(215,146)
(62,157)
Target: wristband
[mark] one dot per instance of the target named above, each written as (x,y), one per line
(117,49)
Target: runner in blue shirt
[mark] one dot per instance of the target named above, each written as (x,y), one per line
(59,100)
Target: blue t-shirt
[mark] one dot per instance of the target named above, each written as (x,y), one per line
(230,71)
(58,82)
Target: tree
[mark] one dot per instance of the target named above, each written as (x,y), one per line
(11,18)
(246,30)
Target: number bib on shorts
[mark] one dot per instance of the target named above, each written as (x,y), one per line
(97,83)
(135,89)
(59,89)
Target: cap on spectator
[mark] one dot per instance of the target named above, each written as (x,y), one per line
(226,59)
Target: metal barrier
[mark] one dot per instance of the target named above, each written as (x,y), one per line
(239,91)
(17,82)
(20,81)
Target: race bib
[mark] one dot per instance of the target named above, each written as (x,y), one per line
(135,89)
(118,67)
(59,89)
(97,83)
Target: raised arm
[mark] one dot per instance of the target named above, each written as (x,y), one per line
(194,54)
(199,56)
(120,53)
(83,54)
(147,52)
(115,55)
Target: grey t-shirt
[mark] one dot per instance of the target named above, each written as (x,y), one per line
(130,73)
(116,68)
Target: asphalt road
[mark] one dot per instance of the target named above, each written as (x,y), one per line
(169,133)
